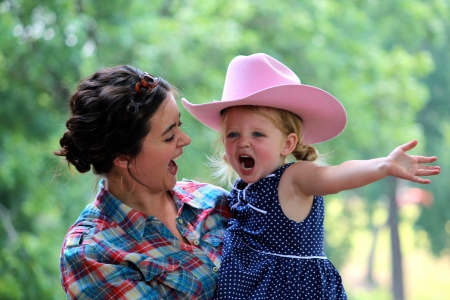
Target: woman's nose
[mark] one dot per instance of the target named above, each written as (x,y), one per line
(185,139)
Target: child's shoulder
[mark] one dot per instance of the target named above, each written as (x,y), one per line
(302,165)
(298,171)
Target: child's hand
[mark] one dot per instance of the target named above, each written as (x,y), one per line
(410,167)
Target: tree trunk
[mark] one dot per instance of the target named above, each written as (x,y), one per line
(396,254)
(369,277)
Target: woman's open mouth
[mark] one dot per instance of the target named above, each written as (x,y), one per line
(173,167)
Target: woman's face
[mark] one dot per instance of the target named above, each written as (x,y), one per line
(155,165)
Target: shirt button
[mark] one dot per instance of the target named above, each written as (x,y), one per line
(196,242)
(215,269)
(180,221)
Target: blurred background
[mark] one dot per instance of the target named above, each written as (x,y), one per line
(388,62)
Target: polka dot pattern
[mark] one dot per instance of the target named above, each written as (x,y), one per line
(268,256)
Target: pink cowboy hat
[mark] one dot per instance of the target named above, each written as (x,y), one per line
(261,80)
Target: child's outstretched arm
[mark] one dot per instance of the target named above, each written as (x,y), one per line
(316,180)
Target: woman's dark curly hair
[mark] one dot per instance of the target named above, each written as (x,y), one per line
(100,128)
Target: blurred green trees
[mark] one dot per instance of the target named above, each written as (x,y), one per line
(387,62)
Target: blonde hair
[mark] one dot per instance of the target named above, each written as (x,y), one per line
(284,120)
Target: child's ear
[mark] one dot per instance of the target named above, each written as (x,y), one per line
(289,144)
(122,161)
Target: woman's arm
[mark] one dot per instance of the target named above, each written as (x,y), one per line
(323,180)
(85,276)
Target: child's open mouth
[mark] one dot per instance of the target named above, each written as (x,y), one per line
(247,163)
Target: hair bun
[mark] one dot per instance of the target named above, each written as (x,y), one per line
(74,155)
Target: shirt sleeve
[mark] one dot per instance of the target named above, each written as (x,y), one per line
(85,276)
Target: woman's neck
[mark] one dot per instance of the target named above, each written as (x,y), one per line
(138,196)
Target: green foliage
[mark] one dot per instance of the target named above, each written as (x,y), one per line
(386,62)
(434,118)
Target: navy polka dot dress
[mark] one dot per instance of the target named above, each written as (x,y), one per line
(268,256)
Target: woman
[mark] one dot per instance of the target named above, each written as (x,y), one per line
(146,236)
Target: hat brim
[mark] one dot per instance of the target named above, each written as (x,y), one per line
(323,116)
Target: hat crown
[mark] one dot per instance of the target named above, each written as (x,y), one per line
(247,75)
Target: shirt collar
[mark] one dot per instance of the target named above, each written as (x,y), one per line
(186,192)
(133,221)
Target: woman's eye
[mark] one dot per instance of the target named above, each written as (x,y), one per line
(170,138)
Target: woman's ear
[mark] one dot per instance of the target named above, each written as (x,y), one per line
(289,144)
(121,161)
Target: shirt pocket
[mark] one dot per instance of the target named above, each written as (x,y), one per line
(176,279)
(214,237)
(77,235)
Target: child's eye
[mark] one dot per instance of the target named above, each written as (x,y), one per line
(258,134)
(232,135)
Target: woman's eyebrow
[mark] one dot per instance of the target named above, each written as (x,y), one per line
(171,126)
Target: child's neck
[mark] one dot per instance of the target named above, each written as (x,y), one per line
(244,184)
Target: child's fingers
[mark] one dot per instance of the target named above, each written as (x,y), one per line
(408,146)
(424,167)
(420,180)
(424,159)
(427,172)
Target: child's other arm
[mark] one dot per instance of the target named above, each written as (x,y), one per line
(315,180)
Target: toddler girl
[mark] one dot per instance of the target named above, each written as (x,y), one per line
(274,245)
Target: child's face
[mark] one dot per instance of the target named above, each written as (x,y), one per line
(254,146)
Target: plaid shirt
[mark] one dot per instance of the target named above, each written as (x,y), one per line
(115,252)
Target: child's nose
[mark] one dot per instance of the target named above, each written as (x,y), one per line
(243,142)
